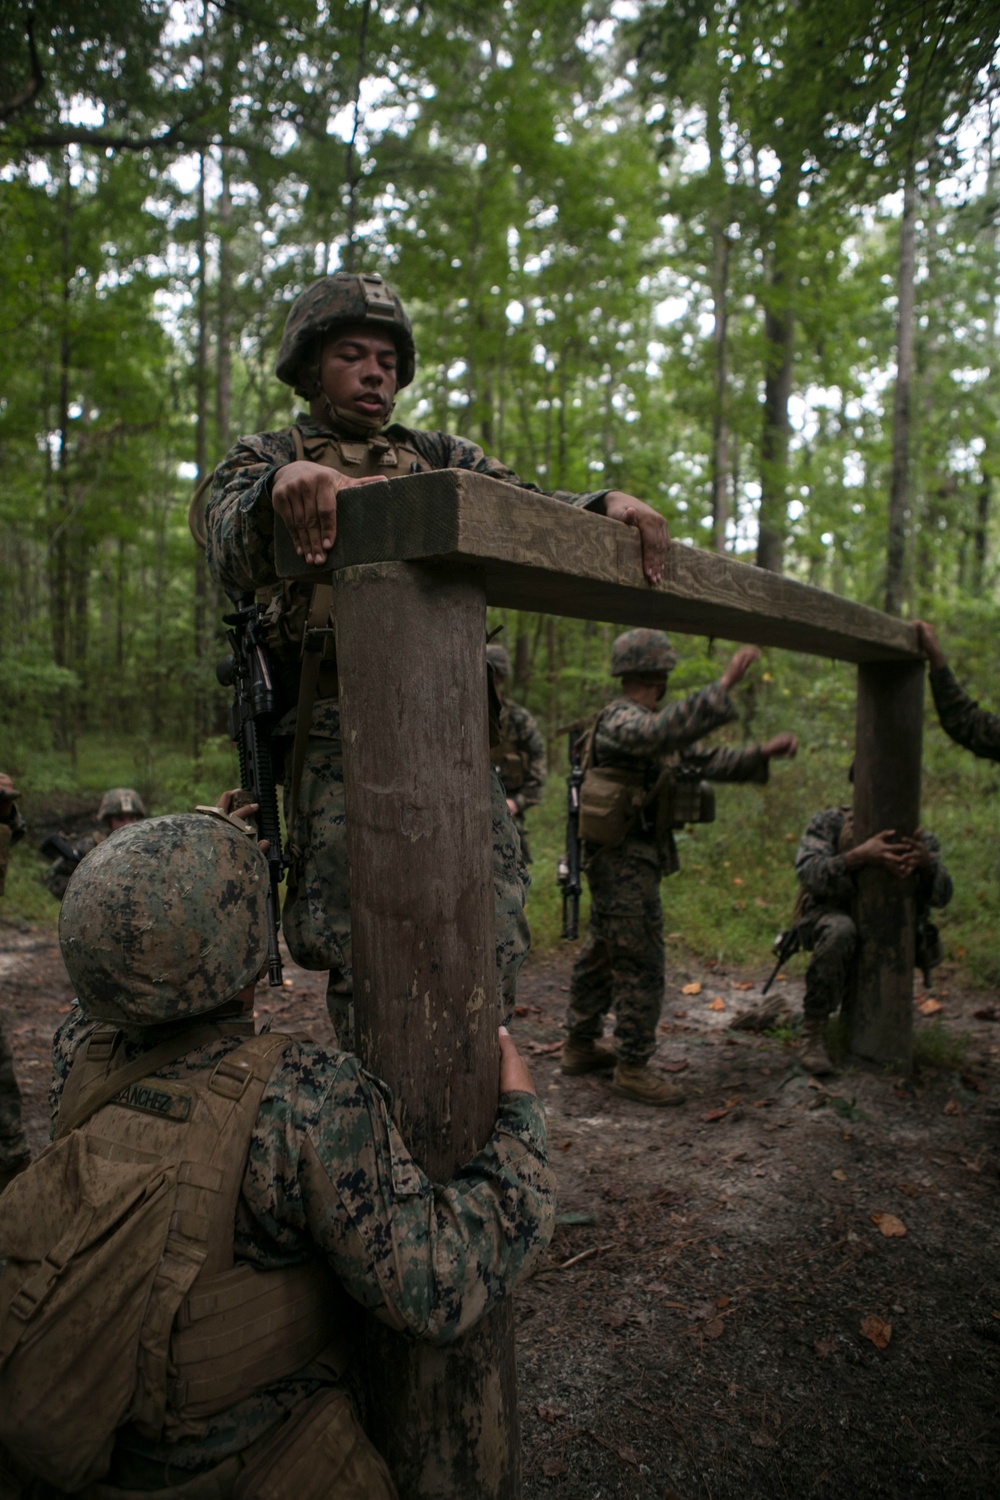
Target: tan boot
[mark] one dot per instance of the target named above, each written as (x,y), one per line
(584,1055)
(636,1081)
(814,1056)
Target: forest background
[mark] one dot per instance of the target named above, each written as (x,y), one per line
(738,259)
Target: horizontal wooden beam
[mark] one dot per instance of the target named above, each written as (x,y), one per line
(540,554)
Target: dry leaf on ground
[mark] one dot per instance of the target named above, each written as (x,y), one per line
(839,1173)
(551,1413)
(694,988)
(743,984)
(953,1107)
(715,1114)
(877,1330)
(889,1225)
(929,1007)
(718,1003)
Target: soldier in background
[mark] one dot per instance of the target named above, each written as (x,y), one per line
(642,750)
(826,865)
(347,349)
(969,725)
(519,759)
(163,935)
(119,807)
(14,1153)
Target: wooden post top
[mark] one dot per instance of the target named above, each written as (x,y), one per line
(535,553)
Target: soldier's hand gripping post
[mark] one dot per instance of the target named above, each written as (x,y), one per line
(249,671)
(568,873)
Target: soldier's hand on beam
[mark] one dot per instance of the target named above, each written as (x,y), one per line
(929,644)
(652,528)
(739,665)
(515,1077)
(884,849)
(921,857)
(304,495)
(782,747)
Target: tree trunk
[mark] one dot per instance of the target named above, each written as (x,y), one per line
(899,484)
(199,726)
(720,298)
(779,343)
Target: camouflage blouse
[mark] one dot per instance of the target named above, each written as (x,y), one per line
(821,865)
(239,518)
(962,718)
(328,1171)
(520,733)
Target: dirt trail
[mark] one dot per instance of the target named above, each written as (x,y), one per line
(697,1327)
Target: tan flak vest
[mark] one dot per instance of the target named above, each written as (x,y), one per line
(237,1329)
(120,1273)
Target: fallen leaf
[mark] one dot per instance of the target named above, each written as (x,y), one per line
(929,1007)
(716,1254)
(542,1049)
(911,1189)
(762,1440)
(680,1014)
(889,1225)
(715,1114)
(718,1003)
(877,1330)
(973,1084)
(737,880)
(714,1328)
(551,1413)
(722,1302)
(743,984)
(553,1467)
(565,1145)
(953,1107)
(731,1104)
(692,989)
(677,1066)
(839,1173)
(288,983)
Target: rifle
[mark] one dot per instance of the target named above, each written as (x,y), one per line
(785,945)
(249,671)
(568,869)
(57,846)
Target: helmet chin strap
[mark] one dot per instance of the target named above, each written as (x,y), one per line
(351,421)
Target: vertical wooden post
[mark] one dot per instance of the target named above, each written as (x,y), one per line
(886,795)
(410,650)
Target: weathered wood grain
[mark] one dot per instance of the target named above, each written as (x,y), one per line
(535,553)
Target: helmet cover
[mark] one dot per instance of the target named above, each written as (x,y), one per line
(166,920)
(638,651)
(121,802)
(499,659)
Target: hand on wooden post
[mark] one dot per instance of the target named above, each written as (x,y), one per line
(515,1076)
(929,644)
(894,853)
(652,528)
(304,495)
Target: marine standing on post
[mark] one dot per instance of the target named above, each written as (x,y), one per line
(347,349)
(620,966)
(519,759)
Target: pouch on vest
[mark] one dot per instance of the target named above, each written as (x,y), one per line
(609,802)
(683,801)
(510,767)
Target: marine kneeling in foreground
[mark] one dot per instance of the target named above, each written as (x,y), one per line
(185,1263)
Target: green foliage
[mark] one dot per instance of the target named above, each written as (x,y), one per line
(938,1049)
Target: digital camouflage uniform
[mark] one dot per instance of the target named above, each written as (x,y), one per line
(240,550)
(962,718)
(520,763)
(328,1171)
(621,964)
(57,876)
(13,1143)
(824,911)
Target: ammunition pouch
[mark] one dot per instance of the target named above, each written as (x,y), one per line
(610,801)
(509,765)
(683,802)
(929,948)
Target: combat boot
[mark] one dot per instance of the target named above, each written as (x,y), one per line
(814,1057)
(636,1081)
(581,1054)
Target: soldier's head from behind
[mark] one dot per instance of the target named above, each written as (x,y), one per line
(165,921)
(643,659)
(348,348)
(120,806)
(498,658)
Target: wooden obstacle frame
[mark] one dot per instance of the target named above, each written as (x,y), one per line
(415,564)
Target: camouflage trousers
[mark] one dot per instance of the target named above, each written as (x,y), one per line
(13,1142)
(832,937)
(317,912)
(620,966)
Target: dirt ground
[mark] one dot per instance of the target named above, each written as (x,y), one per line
(725,1310)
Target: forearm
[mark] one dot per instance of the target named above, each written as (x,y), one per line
(239,520)
(962,718)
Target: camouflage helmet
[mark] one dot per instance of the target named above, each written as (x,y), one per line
(166,920)
(121,802)
(337,301)
(642,651)
(499,659)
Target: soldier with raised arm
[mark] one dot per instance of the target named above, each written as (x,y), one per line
(639,759)
(970,726)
